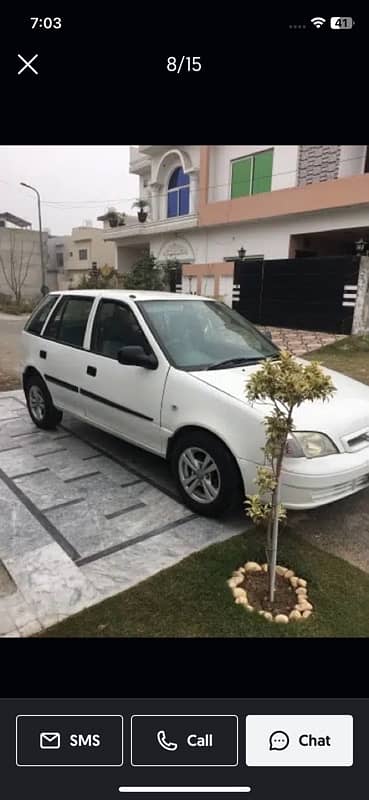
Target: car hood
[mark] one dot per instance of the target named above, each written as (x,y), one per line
(346,412)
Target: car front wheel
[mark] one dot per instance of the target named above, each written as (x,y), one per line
(40,405)
(205,472)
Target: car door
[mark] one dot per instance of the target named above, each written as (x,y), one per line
(123,399)
(64,359)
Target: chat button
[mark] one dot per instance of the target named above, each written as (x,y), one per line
(299,740)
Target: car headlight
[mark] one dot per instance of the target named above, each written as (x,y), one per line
(309,444)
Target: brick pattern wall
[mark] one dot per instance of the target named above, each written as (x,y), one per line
(318,162)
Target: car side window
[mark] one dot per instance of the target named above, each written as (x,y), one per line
(116,326)
(68,323)
(38,318)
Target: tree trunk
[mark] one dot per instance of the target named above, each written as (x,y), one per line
(273,557)
(275,503)
(268,549)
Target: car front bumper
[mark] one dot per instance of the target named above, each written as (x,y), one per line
(310,483)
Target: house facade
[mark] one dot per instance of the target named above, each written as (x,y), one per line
(206,202)
(73,256)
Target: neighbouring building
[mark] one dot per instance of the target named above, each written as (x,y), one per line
(205,202)
(20,257)
(73,256)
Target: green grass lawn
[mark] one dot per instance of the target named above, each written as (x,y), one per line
(192,598)
(349,355)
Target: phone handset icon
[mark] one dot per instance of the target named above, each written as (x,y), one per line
(162,739)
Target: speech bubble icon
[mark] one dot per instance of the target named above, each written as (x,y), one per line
(278,740)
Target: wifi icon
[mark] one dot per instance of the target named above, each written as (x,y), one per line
(318,21)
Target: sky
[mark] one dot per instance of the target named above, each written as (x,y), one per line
(76,183)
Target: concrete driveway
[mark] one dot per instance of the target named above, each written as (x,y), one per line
(83,516)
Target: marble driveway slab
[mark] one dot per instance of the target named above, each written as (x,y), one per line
(82,518)
(143,508)
(46,489)
(54,587)
(121,570)
(20,532)
(115,472)
(9,408)
(16,462)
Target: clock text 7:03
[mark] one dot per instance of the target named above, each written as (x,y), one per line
(46,22)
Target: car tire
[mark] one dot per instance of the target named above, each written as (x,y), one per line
(40,405)
(218,486)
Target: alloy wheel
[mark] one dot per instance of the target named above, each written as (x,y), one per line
(199,475)
(37,403)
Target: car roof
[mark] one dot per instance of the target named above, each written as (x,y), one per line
(130,294)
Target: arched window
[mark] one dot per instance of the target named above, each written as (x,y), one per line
(178,193)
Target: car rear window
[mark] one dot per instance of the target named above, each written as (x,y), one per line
(68,322)
(38,318)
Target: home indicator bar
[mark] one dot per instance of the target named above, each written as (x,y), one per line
(183,789)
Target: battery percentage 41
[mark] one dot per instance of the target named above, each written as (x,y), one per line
(341,23)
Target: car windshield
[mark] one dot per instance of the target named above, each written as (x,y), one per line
(201,334)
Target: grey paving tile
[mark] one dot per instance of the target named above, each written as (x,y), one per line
(51,584)
(90,532)
(101,487)
(18,461)
(14,417)
(6,622)
(126,568)
(30,629)
(19,610)
(20,425)
(5,439)
(84,527)
(20,532)
(64,464)
(112,470)
(8,404)
(46,489)
(111,497)
(78,448)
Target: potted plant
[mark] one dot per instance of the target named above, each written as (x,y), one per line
(113,219)
(141,213)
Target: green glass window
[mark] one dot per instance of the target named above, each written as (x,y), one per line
(252,175)
(241,177)
(262,177)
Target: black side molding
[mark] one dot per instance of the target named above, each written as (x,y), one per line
(114,405)
(64,384)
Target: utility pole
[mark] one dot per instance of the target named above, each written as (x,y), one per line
(44,288)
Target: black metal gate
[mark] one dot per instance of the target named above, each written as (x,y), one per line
(307,293)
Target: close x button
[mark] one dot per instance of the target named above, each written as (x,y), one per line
(184,741)
(69,741)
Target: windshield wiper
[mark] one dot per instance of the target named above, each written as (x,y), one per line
(234,362)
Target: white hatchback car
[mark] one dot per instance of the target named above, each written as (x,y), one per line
(168,372)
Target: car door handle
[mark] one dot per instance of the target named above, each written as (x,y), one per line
(43,354)
(91,371)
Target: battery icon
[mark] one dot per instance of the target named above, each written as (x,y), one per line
(341,23)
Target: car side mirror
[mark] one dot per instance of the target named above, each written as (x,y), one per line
(135,356)
(268,335)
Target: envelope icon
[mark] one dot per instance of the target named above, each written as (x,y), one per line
(49,741)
